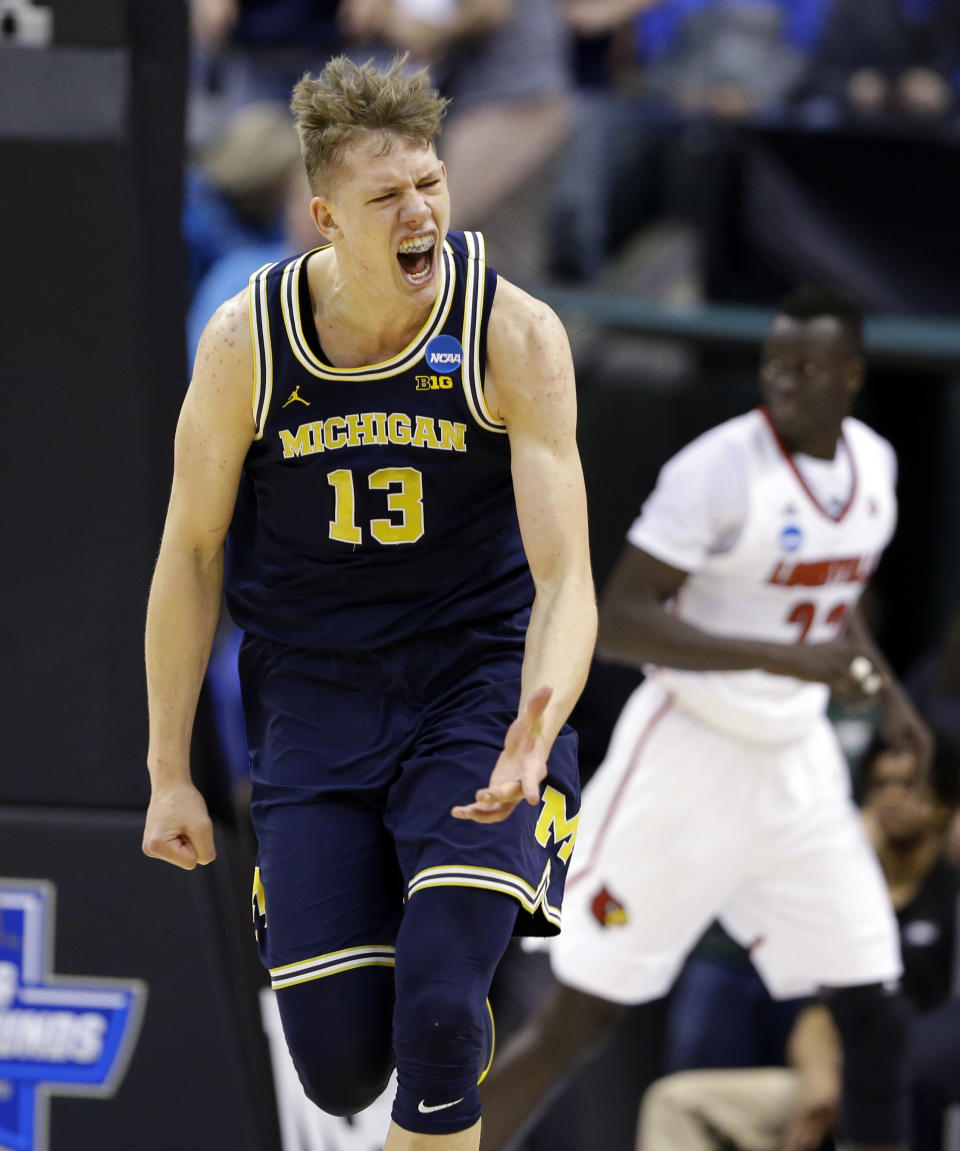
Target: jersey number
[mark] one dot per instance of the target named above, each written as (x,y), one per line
(404,488)
(805,613)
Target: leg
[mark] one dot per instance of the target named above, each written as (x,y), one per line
(328,894)
(328,903)
(820,912)
(708,1110)
(345,1076)
(625,930)
(933,1067)
(559,1036)
(450,942)
(873,1023)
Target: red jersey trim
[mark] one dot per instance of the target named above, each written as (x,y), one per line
(641,743)
(788,456)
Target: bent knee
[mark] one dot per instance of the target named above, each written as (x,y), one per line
(339,1037)
(343,1092)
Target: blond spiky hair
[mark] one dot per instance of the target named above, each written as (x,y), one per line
(347,100)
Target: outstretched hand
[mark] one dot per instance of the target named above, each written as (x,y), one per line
(520,768)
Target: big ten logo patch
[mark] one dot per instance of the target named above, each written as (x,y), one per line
(433,383)
(554,822)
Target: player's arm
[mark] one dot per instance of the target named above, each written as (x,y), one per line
(902,725)
(637,627)
(530,386)
(214,431)
(815,1053)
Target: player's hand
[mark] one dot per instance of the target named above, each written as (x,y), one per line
(817,1107)
(178,828)
(520,768)
(904,729)
(843,665)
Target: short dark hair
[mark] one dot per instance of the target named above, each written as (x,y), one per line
(808,301)
(944,771)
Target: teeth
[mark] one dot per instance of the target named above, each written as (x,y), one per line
(418,244)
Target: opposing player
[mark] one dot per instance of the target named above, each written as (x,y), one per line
(724,792)
(390,429)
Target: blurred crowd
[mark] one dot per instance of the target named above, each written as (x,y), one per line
(577,127)
(592,140)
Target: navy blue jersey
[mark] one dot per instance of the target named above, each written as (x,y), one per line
(375,502)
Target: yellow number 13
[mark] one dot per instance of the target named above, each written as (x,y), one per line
(404,488)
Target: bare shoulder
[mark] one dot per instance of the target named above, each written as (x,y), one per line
(223,372)
(225,345)
(528,354)
(520,322)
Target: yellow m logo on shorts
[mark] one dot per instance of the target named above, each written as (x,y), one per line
(553,820)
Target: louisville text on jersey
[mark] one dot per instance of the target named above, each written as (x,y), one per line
(818,573)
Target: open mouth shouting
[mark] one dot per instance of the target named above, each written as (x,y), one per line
(415,257)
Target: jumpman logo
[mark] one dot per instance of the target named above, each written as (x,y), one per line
(295,397)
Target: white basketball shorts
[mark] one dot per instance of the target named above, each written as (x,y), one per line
(683,824)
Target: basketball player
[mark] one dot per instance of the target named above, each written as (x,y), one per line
(724,792)
(390,429)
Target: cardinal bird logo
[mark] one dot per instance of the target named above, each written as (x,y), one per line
(608,910)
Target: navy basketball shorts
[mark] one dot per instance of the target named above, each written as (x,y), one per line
(356,761)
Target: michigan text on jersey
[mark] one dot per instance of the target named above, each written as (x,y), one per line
(362,429)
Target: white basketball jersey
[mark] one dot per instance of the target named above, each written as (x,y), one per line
(792,571)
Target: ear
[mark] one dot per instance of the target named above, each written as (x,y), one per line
(854,375)
(322,212)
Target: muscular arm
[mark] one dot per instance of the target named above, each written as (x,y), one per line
(637,627)
(530,386)
(901,724)
(213,434)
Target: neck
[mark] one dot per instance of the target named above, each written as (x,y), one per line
(356,323)
(820,445)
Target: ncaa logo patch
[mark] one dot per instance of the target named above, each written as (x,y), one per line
(790,538)
(59,1034)
(444,354)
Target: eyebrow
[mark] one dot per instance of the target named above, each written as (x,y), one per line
(383,189)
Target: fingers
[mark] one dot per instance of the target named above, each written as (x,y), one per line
(492,804)
(865,675)
(495,802)
(202,840)
(483,812)
(182,849)
(179,851)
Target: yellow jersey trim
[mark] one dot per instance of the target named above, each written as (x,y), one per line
(262,350)
(471,375)
(293,322)
(332,963)
(530,899)
(493,1044)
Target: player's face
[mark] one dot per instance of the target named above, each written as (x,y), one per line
(903,806)
(390,210)
(809,374)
